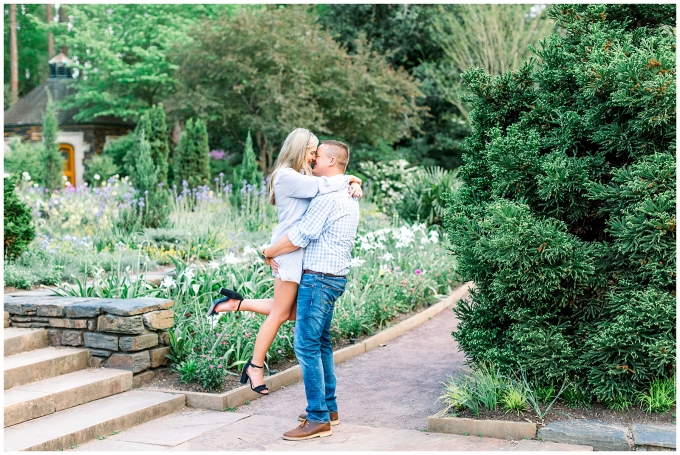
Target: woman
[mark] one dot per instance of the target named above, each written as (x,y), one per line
(291,188)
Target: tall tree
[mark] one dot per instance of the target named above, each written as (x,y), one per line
(495,38)
(121,52)
(50,34)
(402,33)
(52,158)
(274,70)
(14,57)
(31,46)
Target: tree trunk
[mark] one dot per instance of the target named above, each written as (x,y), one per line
(62,13)
(50,35)
(14,60)
(261,144)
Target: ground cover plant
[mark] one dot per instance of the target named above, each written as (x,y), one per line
(566,217)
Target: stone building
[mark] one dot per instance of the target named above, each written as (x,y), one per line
(78,140)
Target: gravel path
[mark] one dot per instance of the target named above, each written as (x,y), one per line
(395,386)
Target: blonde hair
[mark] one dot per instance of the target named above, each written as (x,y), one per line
(293,154)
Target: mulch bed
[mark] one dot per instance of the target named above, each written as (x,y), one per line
(561,412)
(165,378)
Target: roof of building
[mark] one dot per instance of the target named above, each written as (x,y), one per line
(29,110)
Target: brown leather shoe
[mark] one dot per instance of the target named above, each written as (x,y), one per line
(309,430)
(335,420)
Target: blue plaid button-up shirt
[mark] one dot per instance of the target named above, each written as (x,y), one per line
(327,231)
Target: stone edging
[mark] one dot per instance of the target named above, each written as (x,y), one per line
(237,397)
(598,435)
(488,428)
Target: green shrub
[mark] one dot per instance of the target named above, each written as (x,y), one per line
(99,168)
(191,159)
(118,150)
(660,397)
(422,198)
(53,161)
(386,182)
(514,399)
(574,397)
(566,218)
(482,387)
(25,157)
(19,229)
(248,170)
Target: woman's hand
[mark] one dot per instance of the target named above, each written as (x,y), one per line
(354,179)
(355,190)
(272,263)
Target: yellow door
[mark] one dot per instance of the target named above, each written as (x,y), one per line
(69,162)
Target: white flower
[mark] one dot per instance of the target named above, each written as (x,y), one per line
(195,287)
(213,264)
(168,282)
(97,177)
(214,319)
(424,240)
(434,236)
(356,262)
(249,250)
(230,258)
(388,257)
(26,176)
(188,273)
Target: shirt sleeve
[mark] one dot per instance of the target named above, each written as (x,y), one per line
(296,185)
(311,225)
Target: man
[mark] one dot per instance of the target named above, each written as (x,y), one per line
(326,231)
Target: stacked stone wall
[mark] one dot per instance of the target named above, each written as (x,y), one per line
(123,334)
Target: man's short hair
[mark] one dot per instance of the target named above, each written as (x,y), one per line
(340,151)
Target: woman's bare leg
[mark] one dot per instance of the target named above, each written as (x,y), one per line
(285,298)
(261,306)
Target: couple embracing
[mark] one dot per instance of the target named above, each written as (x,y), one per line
(310,254)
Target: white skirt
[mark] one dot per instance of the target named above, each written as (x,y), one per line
(290,266)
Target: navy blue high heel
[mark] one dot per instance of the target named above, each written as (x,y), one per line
(228,294)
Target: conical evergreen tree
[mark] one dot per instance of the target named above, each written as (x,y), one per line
(156,134)
(153,197)
(566,222)
(248,170)
(192,159)
(52,158)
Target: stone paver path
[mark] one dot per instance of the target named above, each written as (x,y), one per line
(395,386)
(200,430)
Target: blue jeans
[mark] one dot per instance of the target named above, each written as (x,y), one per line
(315,303)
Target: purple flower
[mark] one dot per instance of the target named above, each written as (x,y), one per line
(211,367)
(217,154)
(418,271)
(184,183)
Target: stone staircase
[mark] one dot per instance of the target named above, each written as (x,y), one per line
(54,400)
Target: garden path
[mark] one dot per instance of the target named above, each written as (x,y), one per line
(395,386)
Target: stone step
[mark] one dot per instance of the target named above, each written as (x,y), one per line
(37,399)
(21,340)
(83,423)
(43,363)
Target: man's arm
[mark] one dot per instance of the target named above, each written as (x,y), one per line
(282,246)
(309,228)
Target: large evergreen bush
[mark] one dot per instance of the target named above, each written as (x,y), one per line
(566,221)
(191,160)
(19,229)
